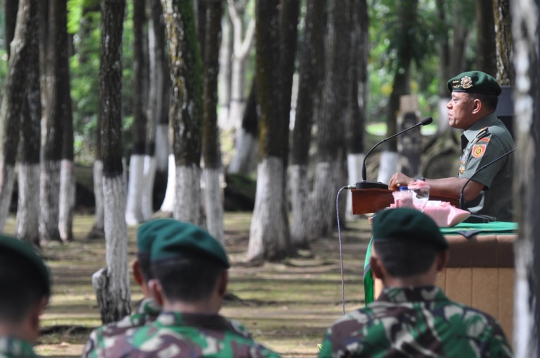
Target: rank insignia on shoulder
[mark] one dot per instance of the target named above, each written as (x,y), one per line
(485,139)
(479,150)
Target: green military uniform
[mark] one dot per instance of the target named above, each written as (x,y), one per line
(188,335)
(105,335)
(15,348)
(484,141)
(415,322)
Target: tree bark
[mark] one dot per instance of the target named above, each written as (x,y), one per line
(116,302)
(225,71)
(211,151)
(525,29)
(136,163)
(19,87)
(10,21)
(311,63)
(486,59)
(503,37)
(444,68)
(269,236)
(330,141)
(186,106)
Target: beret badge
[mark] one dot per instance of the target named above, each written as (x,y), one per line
(466,82)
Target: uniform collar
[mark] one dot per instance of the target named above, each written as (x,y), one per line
(412,294)
(15,347)
(482,123)
(149,306)
(197,320)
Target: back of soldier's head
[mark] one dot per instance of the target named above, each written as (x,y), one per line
(24,280)
(406,241)
(187,262)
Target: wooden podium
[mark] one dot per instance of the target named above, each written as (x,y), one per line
(365,201)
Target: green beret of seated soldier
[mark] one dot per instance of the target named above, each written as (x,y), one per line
(407,225)
(474,82)
(179,240)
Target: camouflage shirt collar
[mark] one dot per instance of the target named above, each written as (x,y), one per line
(197,320)
(412,294)
(484,122)
(149,306)
(15,348)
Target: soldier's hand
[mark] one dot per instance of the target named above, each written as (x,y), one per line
(397,180)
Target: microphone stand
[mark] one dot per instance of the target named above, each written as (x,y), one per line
(478,218)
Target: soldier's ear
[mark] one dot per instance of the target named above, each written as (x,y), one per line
(137,274)
(376,267)
(156,291)
(222,283)
(442,260)
(477,106)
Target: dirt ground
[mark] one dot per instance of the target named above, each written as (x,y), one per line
(286,305)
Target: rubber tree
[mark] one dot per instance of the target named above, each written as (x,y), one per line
(269,236)
(212,171)
(504,44)
(15,98)
(486,59)
(10,21)
(111,284)
(225,70)
(27,227)
(331,122)
(139,126)
(186,107)
(526,57)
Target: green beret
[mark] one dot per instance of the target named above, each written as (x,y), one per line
(148,232)
(474,82)
(10,246)
(409,225)
(178,239)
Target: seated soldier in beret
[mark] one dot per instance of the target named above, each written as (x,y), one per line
(24,293)
(412,317)
(472,108)
(190,270)
(148,309)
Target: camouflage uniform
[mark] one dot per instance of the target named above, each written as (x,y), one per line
(415,322)
(15,348)
(179,335)
(148,311)
(484,141)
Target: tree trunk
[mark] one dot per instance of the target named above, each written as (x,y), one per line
(503,37)
(10,22)
(170,194)
(444,67)
(268,238)
(57,110)
(115,302)
(486,59)
(43,9)
(330,141)
(311,63)
(136,162)
(526,28)
(211,151)
(186,106)
(225,71)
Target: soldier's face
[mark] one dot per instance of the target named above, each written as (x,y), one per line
(460,111)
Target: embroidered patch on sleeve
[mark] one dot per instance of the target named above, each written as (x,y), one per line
(478,150)
(486,140)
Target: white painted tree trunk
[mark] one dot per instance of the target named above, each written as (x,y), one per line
(49,193)
(7,174)
(267,236)
(388,166)
(187,206)
(354,165)
(99,217)
(244,161)
(147,198)
(170,194)
(238,83)
(67,200)
(27,228)
(224,80)
(322,203)
(135,189)
(213,202)
(443,115)
(116,291)
(300,205)
(162,147)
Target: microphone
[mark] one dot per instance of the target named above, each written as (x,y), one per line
(462,201)
(364,184)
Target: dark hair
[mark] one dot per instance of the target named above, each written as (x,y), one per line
(401,259)
(187,279)
(144,265)
(490,101)
(21,287)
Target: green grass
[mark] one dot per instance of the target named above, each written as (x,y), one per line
(286,305)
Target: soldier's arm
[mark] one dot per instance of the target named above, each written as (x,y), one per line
(326,350)
(445,186)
